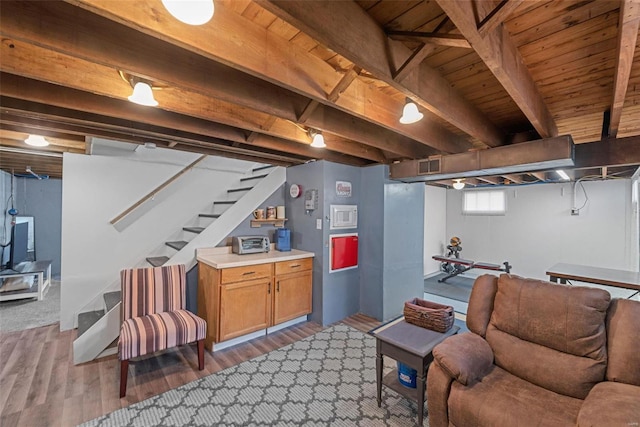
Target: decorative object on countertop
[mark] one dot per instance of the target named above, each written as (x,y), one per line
(271,212)
(430,315)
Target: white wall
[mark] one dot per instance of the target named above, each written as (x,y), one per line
(538,230)
(97,188)
(435,226)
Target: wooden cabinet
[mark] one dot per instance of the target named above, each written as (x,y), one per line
(293,290)
(245,307)
(239,300)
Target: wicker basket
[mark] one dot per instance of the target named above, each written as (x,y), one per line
(430,315)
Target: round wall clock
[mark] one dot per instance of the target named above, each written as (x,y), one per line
(294,190)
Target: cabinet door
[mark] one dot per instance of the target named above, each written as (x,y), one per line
(292,296)
(244,307)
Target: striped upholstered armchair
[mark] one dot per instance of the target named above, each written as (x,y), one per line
(154,318)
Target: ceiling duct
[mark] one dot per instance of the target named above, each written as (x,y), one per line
(549,153)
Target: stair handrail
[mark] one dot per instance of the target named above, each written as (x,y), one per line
(156,190)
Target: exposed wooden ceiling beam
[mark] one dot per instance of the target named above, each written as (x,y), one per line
(151,57)
(627,37)
(542,176)
(138,136)
(351,32)
(82,123)
(497,16)
(500,54)
(413,61)
(274,59)
(517,179)
(57,95)
(490,179)
(453,40)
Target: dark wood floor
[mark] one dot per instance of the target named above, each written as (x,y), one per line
(40,385)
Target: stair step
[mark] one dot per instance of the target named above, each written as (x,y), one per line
(253,177)
(262,168)
(157,261)
(196,230)
(111,299)
(177,245)
(209,215)
(224,202)
(87,319)
(235,190)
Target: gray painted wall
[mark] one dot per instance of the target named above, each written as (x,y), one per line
(5,225)
(371,240)
(42,199)
(390,230)
(341,290)
(304,234)
(403,246)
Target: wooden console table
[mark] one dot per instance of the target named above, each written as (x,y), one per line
(600,276)
(411,345)
(41,269)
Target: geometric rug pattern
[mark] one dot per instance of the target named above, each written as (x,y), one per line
(327,379)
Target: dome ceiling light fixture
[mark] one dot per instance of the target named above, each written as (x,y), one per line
(317,140)
(410,113)
(142,90)
(36,141)
(458,184)
(191,12)
(143,95)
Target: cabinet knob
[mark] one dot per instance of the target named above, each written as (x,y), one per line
(248,273)
(269,288)
(278,286)
(296,266)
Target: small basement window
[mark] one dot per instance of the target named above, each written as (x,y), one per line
(484,202)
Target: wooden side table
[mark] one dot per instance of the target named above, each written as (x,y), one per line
(411,345)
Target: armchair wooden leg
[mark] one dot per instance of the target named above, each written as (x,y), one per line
(201,355)
(124,373)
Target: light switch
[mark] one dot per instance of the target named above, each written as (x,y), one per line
(319,224)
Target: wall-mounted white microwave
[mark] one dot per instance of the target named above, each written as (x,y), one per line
(343,216)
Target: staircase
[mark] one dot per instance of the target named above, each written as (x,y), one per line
(98,330)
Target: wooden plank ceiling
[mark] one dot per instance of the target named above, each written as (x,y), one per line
(255,79)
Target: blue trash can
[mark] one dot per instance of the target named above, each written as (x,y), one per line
(406,375)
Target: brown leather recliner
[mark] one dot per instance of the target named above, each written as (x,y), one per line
(538,354)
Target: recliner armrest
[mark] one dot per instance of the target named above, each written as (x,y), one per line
(465,357)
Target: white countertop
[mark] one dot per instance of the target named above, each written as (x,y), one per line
(223,258)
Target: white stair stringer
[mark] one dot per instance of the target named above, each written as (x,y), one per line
(231,218)
(94,341)
(97,338)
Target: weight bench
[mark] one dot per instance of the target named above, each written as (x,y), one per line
(468,265)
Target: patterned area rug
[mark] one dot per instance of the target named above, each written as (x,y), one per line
(328,379)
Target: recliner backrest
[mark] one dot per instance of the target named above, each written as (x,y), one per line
(152,290)
(549,334)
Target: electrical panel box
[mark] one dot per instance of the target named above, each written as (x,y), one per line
(343,251)
(311,200)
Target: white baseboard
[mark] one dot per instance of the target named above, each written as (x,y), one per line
(257,334)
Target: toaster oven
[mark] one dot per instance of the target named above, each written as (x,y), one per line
(250,244)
